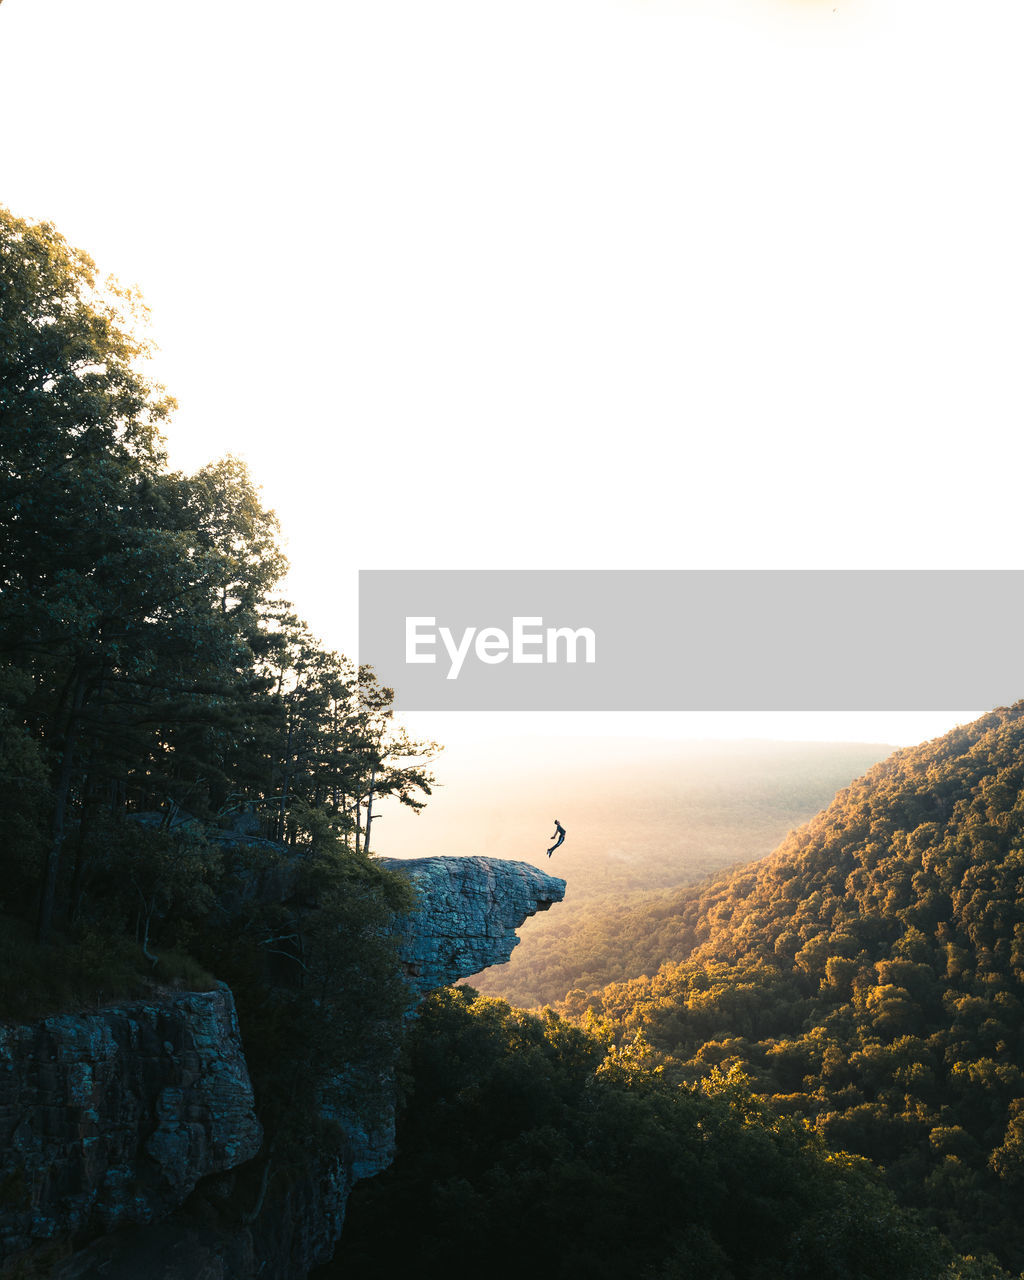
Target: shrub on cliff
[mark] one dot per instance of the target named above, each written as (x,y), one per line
(317,982)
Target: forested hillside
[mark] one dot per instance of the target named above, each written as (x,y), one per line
(861,990)
(870,977)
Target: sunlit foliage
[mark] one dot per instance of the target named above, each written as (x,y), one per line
(869,976)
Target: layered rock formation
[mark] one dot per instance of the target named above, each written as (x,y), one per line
(468,912)
(115,1116)
(110,1120)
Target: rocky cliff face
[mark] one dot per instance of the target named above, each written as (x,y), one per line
(110,1120)
(115,1116)
(467,915)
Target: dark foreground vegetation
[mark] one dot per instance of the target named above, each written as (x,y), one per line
(532,1146)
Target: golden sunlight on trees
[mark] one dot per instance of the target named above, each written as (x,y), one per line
(869,977)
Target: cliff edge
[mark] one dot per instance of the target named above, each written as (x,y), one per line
(467,914)
(120,1128)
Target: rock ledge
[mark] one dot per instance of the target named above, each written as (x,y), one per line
(468,912)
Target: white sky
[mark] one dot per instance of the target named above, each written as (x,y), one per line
(554,283)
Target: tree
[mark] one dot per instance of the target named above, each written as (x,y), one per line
(392,764)
(78,429)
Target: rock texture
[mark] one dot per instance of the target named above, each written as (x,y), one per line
(115,1116)
(110,1120)
(468,913)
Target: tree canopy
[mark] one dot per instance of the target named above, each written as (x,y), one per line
(146,665)
(530,1143)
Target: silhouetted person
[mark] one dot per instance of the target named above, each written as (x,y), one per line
(560,834)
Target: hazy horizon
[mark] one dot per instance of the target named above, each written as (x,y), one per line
(614,796)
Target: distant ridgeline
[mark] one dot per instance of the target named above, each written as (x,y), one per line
(869,975)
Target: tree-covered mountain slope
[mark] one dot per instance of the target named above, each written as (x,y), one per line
(870,975)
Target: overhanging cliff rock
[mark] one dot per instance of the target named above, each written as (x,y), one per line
(467,914)
(111,1119)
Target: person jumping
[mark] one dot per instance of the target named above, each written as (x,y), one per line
(560,834)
